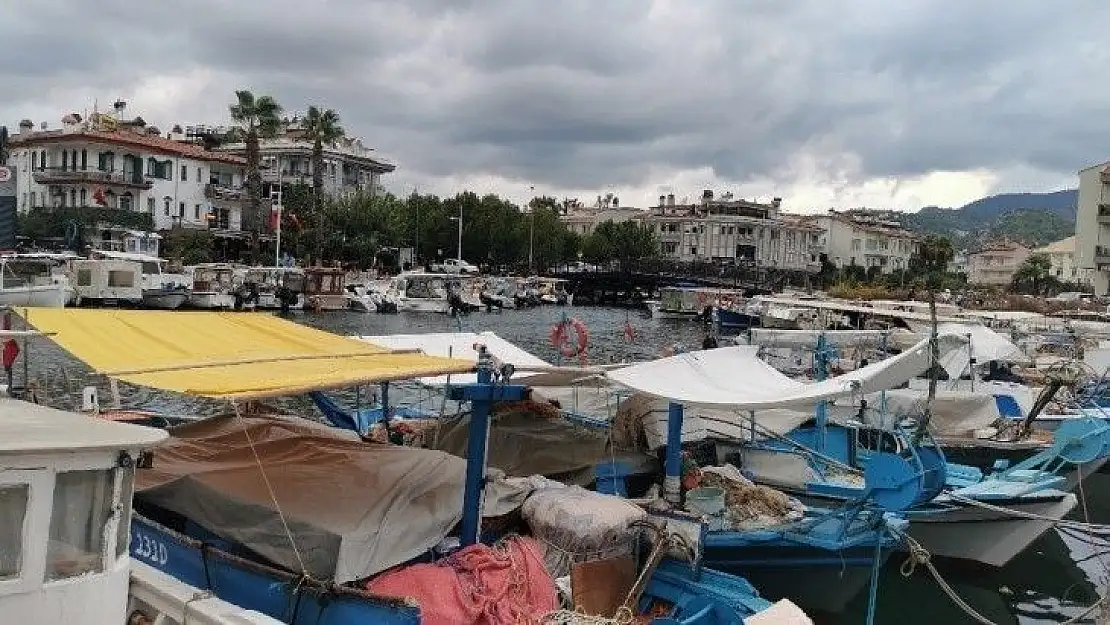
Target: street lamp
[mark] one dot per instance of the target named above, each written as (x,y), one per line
(459,219)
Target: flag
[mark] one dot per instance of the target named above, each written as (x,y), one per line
(11,348)
(98,196)
(275,217)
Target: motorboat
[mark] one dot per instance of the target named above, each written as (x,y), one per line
(275,288)
(422,292)
(213,286)
(36,280)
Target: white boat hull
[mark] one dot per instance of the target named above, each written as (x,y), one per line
(420,305)
(211,300)
(165,300)
(981,535)
(48,296)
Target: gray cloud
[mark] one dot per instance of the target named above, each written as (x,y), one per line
(579,94)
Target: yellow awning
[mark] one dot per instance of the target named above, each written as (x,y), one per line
(226,355)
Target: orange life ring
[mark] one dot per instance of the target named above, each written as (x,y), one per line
(561,340)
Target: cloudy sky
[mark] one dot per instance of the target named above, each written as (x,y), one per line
(827,103)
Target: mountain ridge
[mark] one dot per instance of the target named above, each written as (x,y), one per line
(1035,219)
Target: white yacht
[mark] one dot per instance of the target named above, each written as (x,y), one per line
(275,282)
(36,280)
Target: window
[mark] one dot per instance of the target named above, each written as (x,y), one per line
(73,197)
(42,160)
(82,506)
(168,203)
(199,177)
(126,201)
(13,511)
(84,197)
(184,173)
(65,160)
(34,161)
(34,198)
(122,278)
(150,205)
(196,212)
(84,160)
(181,209)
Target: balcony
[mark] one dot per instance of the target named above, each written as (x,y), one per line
(286,176)
(228,194)
(59,176)
(1102,256)
(1104,214)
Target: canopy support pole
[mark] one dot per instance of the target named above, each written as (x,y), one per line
(821,357)
(672,483)
(481,396)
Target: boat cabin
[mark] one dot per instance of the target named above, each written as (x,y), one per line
(323,288)
(65,507)
(108,279)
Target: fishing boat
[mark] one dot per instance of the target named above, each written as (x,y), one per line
(159,289)
(816,459)
(35,280)
(208,515)
(324,290)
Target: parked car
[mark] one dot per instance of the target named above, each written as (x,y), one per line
(455,265)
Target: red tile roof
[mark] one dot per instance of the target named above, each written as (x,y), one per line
(152,143)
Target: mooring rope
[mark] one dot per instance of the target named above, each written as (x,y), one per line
(920,555)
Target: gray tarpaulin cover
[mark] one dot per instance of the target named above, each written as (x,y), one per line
(523,442)
(354,508)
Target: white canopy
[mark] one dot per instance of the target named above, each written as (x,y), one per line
(986,345)
(735,377)
(533,370)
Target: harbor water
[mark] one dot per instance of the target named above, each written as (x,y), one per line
(1054,580)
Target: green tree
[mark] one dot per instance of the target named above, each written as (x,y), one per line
(323,129)
(258,118)
(929,265)
(1034,275)
(622,242)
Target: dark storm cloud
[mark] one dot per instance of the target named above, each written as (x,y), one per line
(576,94)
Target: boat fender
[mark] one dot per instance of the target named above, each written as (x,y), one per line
(560,337)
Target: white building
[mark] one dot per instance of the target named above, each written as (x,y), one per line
(349,166)
(109,163)
(1061,256)
(854,238)
(734,231)
(583,221)
(1092,226)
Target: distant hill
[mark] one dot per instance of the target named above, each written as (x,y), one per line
(1032,218)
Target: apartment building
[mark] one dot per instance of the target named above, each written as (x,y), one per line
(349,166)
(994,264)
(106,162)
(1092,226)
(1061,257)
(866,239)
(736,231)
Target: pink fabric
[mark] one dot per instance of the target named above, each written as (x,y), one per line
(480,585)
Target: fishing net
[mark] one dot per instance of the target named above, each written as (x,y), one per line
(577,525)
(749,505)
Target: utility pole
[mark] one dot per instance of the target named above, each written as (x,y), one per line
(531,227)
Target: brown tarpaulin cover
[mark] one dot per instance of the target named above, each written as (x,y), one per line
(354,508)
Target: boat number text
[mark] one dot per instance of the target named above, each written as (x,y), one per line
(150,549)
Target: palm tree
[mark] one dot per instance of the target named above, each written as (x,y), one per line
(322,128)
(258,117)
